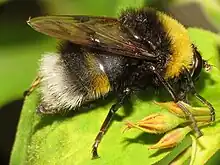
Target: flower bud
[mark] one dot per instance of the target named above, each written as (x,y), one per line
(175,109)
(172,138)
(172,107)
(157,123)
(196,111)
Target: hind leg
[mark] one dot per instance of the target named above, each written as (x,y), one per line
(34,84)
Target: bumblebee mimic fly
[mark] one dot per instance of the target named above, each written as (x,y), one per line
(101,55)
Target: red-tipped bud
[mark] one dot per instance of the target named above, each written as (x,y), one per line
(172,138)
(157,123)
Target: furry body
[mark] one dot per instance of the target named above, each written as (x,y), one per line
(78,74)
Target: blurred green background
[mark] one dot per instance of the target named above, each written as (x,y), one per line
(21,47)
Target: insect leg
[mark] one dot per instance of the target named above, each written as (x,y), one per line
(209,105)
(107,121)
(188,113)
(34,84)
(200,98)
(174,96)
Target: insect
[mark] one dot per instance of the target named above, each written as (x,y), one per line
(102,55)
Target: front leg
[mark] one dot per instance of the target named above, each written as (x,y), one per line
(152,68)
(108,120)
(200,98)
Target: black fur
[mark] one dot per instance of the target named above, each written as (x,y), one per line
(124,71)
(73,57)
(146,24)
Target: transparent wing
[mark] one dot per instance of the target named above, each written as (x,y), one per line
(102,33)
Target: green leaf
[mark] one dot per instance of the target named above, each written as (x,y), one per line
(68,140)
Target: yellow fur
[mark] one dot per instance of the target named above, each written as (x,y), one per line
(100,84)
(99,81)
(181,46)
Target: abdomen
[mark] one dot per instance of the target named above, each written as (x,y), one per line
(75,75)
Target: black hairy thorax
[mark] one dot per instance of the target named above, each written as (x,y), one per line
(144,28)
(147,29)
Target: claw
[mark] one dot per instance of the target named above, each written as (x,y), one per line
(95,153)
